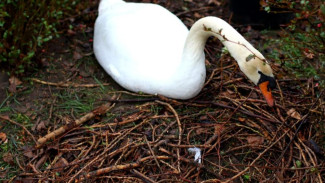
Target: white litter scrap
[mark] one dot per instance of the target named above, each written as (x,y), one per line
(197,156)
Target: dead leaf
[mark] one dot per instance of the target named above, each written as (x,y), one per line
(71,32)
(14,82)
(77,55)
(60,164)
(41,126)
(255,140)
(215,2)
(3,138)
(308,53)
(294,114)
(241,119)
(197,15)
(263,3)
(84,74)
(8,158)
(254,95)
(229,94)
(218,128)
(28,152)
(200,131)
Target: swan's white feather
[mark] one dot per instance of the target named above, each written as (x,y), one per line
(140,46)
(146,48)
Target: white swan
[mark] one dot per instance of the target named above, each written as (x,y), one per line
(146,48)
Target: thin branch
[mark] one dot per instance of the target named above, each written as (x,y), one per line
(98,111)
(179,129)
(68,84)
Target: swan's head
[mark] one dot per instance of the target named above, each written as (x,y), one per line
(251,61)
(260,73)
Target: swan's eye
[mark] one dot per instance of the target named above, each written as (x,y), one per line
(271,80)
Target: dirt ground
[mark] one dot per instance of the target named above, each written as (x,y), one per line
(104,133)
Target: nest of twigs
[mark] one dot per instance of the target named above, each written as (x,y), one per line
(240,138)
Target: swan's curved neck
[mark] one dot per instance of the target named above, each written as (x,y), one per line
(236,44)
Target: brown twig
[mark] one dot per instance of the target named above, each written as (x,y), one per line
(142,176)
(118,167)
(68,84)
(152,153)
(179,129)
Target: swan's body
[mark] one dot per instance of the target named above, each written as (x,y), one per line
(145,48)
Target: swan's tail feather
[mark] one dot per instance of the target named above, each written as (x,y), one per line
(106,4)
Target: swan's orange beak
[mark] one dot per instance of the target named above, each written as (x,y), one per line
(267,93)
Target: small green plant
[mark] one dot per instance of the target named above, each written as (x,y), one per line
(247,177)
(25,26)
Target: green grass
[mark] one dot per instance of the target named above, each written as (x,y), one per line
(17,139)
(12,148)
(68,100)
(75,103)
(62,100)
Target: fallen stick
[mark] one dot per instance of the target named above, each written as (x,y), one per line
(98,111)
(118,167)
(142,176)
